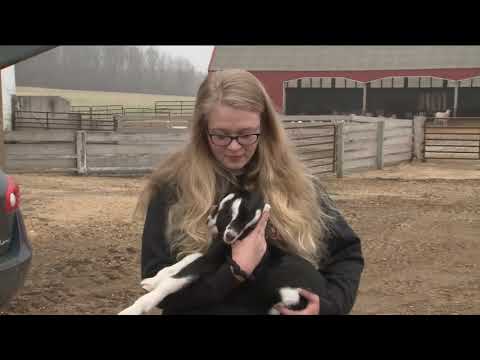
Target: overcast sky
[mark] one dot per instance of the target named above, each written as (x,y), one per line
(199,56)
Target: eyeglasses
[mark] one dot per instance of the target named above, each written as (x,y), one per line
(225,140)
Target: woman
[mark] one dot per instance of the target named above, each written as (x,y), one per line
(237,141)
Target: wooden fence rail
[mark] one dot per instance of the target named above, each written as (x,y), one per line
(326,147)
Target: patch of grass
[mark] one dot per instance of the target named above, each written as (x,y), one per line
(94,98)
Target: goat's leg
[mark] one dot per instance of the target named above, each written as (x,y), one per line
(148,301)
(288,297)
(151,283)
(162,284)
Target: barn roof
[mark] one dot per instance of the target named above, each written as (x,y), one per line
(344,58)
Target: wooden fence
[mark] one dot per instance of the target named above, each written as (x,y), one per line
(373,144)
(114,152)
(87,152)
(41,151)
(130,153)
(452,142)
(326,146)
(315,145)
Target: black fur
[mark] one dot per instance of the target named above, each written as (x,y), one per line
(219,250)
(278,269)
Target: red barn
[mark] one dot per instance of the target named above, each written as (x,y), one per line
(381,80)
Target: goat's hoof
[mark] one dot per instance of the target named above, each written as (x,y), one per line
(273,311)
(132,310)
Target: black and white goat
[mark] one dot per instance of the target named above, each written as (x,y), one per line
(232,220)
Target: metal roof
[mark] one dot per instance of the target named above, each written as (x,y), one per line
(344,58)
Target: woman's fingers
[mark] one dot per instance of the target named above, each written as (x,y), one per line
(283,310)
(312,308)
(262,224)
(311,297)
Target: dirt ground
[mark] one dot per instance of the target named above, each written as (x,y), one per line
(419,225)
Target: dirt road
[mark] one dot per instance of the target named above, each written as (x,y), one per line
(419,224)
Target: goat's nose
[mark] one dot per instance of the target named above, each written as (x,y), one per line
(229,237)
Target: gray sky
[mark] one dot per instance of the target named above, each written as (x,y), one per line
(199,56)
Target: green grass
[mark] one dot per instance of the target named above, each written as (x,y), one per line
(93,98)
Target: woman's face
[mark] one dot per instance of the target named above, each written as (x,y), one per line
(226,121)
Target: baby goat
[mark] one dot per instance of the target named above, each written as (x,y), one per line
(232,220)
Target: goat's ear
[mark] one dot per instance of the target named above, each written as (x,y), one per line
(213,209)
(257,201)
(211,214)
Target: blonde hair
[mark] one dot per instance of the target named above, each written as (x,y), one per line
(274,170)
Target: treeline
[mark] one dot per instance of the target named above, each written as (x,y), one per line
(110,68)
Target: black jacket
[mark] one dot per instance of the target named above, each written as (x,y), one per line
(220,293)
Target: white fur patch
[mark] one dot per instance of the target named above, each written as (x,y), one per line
(148,301)
(224,200)
(229,231)
(150,284)
(255,219)
(273,311)
(290,296)
(251,222)
(235,208)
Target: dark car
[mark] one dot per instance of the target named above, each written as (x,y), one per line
(15,248)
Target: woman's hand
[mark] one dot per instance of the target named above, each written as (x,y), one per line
(248,252)
(312,308)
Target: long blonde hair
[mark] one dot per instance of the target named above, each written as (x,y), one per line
(274,170)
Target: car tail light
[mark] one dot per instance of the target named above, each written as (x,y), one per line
(12,195)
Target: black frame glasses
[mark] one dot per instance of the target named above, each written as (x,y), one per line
(226,140)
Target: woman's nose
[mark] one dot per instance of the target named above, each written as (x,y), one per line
(234,145)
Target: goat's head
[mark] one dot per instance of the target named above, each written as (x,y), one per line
(236,215)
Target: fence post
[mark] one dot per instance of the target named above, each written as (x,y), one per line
(418,137)
(380,137)
(81,147)
(364,99)
(339,146)
(47,120)
(455,98)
